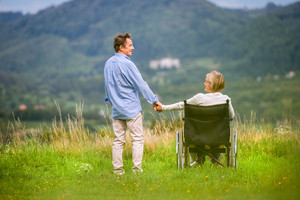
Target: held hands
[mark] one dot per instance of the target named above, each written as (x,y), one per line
(157,106)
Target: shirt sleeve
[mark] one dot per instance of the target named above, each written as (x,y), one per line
(180,105)
(138,82)
(175,106)
(106,99)
(196,100)
(231,110)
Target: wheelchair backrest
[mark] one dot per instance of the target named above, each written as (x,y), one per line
(206,125)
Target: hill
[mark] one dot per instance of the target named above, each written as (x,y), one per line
(266,44)
(87,28)
(59,53)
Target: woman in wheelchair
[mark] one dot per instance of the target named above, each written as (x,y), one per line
(214,83)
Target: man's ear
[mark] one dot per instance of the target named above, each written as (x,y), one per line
(121,47)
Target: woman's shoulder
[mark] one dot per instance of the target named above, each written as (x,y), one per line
(219,96)
(226,96)
(211,95)
(199,95)
(222,95)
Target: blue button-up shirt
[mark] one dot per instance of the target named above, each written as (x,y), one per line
(123,82)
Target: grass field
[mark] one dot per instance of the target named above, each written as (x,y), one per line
(69,162)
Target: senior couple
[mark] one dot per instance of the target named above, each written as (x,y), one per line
(124,83)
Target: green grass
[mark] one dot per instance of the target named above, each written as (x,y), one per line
(72,164)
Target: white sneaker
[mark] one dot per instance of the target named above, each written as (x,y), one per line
(137,171)
(119,171)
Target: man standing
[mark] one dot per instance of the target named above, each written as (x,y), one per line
(123,82)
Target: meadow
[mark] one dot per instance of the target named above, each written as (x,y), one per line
(67,161)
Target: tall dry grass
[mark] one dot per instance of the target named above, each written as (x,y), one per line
(254,129)
(258,136)
(71,134)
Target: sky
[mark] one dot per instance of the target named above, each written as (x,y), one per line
(33,6)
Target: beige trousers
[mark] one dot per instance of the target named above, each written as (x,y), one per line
(135,128)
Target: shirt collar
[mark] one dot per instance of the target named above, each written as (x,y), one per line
(214,93)
(122,55)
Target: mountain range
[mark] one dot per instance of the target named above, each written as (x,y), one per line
(59,53)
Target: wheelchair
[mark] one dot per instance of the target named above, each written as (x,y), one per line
(208,131)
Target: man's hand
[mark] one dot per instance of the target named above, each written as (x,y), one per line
(157,106)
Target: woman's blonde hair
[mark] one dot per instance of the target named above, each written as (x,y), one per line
(217,81)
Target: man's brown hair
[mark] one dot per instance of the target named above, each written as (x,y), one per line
(120,39)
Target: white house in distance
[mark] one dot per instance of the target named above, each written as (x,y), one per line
(165,63)
(290,75)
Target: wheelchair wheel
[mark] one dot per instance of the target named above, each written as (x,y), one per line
(233,150)
(179,149)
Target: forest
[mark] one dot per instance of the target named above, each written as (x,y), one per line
(56,57)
